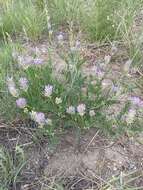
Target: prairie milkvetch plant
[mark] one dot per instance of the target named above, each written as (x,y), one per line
(135,113)
(76,100)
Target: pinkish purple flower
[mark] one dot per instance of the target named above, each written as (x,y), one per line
(115,88)
(136,101)
(40,118)
(38,61)
(99,72)
(48,90)
(81,109)
(21,103)
(23,82)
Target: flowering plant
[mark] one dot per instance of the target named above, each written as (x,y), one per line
(73,101)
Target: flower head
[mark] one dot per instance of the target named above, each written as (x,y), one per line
(127,66)
(115,88)
(10,81)
(38,62)
(71,110)
(39,117)
(23,82)
(130,116)
(92,113)
(136,101)
(60,37)
(107,84)
(99,72)
(12,87)
(58,100)
(81,109)
(48,121)
(32,115)
(13,91)
(21,103)
(48,90)
(107,59)
(77,44)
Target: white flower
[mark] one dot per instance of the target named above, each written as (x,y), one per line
(60,37)
(11,87)
(130,116)
(10,81)
(106,84)
(48,121)
(71,110)
(92,113)
(127,65)
(77,44)
(58,100)
(13,91)
(81,109)
(48,90)
(32,115)
(107,59)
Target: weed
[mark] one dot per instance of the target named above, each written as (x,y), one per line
(21,17)
(101,20)
(10,166)
(7,65)
(73,101)
(124,181)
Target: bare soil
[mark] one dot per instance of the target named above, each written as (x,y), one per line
(78,162)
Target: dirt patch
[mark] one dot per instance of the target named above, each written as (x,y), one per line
(76,161)
(96,155)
